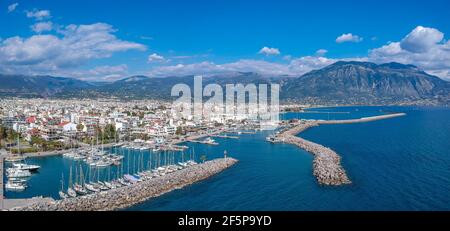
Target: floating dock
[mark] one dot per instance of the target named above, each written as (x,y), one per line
(225,136)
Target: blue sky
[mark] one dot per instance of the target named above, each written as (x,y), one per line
(161,38)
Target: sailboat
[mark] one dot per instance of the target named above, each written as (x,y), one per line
(15,158)
(61,193)
(70,190)
(78,187)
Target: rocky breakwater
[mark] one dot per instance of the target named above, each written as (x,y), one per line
(326,165)
(124,197)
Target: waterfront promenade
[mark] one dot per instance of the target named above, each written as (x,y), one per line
(127,196)
(327,166)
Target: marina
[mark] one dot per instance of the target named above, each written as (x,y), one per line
(119,198)
(282,171)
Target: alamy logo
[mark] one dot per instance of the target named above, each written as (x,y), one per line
(240,102)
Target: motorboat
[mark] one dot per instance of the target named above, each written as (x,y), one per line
(17,173)
(210,141)
(28,167)
(13,186)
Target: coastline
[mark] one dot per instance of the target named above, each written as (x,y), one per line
(327,166)
(121,198)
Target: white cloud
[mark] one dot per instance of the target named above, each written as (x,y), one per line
(42,26)
(348,38)
(269,51)
(73,46)
(421,39)
(12,7)
(38,14)
(422,47)
(155,58)
(287,57)
(321,52)
(296,67)
(99,73)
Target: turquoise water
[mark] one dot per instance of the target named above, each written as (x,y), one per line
(397,164)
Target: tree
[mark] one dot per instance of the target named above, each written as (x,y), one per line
(3,135)
(109,132)
(80,127)
(179,131)
(203,158)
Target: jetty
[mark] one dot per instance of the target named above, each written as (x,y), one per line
(327,166)
(225,136)
(203,142)
(139,192)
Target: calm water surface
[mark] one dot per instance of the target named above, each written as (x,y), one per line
(397,164)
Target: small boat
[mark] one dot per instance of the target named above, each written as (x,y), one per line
(71,192)
(210,141)
(103,164)
(17,173)
(80,190)
(116,184)
(102,186)
(191,162)
(13,186)
(17,180)
(109,185)
(270,139)
(91,188)
(62,195)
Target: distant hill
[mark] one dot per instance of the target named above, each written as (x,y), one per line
(138,87)
(38,86)
(368,83)
(339,83)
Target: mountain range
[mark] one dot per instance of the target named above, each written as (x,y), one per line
(339,83)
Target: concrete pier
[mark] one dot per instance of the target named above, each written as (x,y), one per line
(327,164)
(127,196)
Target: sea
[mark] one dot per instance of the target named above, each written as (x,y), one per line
(399,164)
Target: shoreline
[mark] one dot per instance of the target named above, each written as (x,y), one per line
(125,197)
(327,166)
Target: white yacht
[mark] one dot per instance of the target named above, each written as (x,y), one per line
(14,186)
(17,173)
(28,167)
